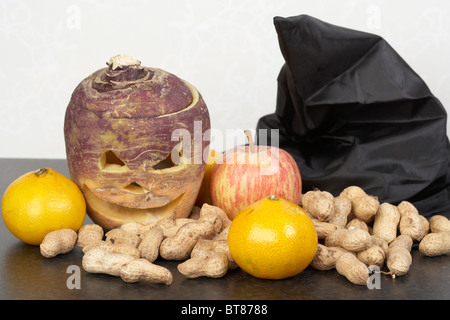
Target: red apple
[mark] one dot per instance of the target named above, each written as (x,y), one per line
(246,174)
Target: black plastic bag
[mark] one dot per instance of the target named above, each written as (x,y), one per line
(351,111)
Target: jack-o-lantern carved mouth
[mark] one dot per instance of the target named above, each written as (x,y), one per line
(113,212)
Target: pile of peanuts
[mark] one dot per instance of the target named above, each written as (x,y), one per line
(130,251)
(356,231)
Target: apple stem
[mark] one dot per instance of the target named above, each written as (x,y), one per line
(250,140)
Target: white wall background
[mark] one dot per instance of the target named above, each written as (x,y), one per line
(228,49)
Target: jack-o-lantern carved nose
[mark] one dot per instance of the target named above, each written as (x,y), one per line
(134,187)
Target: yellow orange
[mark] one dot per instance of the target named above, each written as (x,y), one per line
(42,201)
(272,239)
(204,194)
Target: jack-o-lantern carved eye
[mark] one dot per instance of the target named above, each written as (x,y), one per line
(109,161)
(164,164)
(173,159)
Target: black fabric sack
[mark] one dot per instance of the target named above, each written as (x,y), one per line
(351,111)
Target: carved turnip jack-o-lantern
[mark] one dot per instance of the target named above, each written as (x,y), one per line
(122,128)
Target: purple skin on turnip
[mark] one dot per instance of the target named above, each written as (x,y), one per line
(122,128)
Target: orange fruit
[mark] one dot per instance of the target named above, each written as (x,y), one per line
(42,201)
(204,194)
(272,239)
